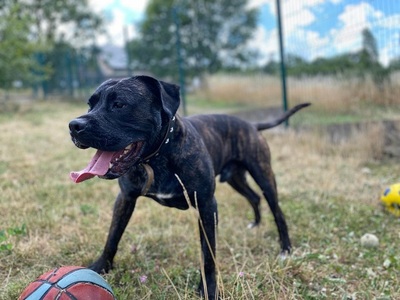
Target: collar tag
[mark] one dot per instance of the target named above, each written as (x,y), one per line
(150,178)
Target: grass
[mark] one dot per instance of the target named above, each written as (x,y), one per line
(334,100)
(329,193)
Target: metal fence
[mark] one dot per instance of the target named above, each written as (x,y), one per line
(329,43)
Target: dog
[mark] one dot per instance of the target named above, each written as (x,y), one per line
(154,152)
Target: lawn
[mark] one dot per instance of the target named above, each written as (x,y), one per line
(328,192)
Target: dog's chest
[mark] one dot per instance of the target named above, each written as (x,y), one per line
(175,200)
(166,189)
(161,198)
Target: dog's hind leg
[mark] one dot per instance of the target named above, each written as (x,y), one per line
(235,175)
(123,209)
(239,182)
(267,184)
(264,177)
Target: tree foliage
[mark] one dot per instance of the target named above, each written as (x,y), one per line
(30,31)
(369,60)
(56,20)
(369,46)
(394,64)
(343,64)
(212,35)
(16,48)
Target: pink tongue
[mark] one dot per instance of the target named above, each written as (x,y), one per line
(99,165)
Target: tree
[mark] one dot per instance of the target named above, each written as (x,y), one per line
(213,35)
(394,64)
(271,68)
(70,20)
(369,46)
(30,31)
(65,27)
(369,60)
(16,48)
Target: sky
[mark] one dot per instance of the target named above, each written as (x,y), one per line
(312,28)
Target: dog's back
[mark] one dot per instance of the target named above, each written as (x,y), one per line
(227,138)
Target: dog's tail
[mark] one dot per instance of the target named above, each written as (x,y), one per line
(281,119)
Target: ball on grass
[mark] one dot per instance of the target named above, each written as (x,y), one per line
(390,198)
(369,240)
(69,282)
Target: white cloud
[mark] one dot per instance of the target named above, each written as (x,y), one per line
(258,3)
(266,42)
(359,14)
(384,56)
(115,29)
(123,15)
(390,49)
(315,44)
(307,44)
(296,19)
(100,5)
(296,15)
(391,22)
(136,6)
(354,19)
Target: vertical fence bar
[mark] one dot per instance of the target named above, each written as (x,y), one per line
(282,59)
(181,69)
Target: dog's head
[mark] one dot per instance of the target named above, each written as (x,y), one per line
(124,122)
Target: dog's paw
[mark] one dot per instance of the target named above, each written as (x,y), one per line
(252,225)
(101,266)
(284,255)
(213,294)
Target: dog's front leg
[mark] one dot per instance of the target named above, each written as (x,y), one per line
(208,226)
(123,209)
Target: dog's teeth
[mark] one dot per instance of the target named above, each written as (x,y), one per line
(110,165)
(127,149)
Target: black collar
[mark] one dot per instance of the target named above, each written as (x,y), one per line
(164,141)
(145,161)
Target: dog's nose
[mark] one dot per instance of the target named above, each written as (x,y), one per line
(77,125)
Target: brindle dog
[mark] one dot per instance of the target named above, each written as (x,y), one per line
(142,141)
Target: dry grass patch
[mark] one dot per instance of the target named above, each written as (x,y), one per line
(328,94)
(234,89)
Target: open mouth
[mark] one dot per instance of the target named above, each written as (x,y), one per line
(110,165)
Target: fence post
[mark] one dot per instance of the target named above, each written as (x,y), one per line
(282,59)
(181,70)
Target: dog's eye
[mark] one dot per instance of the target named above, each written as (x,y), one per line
(118,105)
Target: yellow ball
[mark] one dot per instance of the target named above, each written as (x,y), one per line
(391,199)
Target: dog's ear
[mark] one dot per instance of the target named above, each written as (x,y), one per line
(168,92)
(170,97)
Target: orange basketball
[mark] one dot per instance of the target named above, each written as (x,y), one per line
(67,283)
